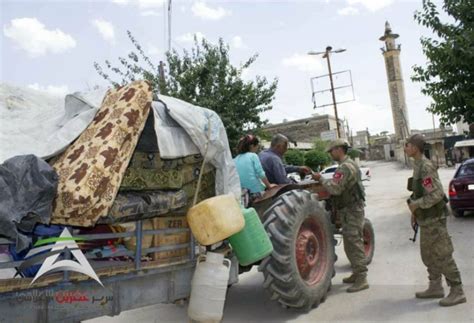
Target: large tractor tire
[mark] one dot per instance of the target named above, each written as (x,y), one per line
(298,273)
(369,240)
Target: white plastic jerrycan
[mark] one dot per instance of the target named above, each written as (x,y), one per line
(208,288)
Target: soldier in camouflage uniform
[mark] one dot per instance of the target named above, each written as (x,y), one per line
(348,196)
(428,207)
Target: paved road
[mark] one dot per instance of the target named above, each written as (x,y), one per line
(394,275)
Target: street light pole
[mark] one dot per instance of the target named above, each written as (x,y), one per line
(328,50)
(326,55)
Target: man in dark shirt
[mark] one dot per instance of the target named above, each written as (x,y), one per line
(272,162)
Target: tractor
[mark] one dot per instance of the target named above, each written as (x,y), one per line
(303,228)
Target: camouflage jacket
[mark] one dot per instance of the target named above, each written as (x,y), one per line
(346,185)
(428,194)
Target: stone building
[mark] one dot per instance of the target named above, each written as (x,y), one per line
(306,130)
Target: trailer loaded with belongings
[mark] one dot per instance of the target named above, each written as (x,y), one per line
(127,169)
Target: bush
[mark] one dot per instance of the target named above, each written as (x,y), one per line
(354,153)
(317,159)
(320,145)
(294,157)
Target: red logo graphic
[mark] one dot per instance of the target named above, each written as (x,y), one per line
(428,184)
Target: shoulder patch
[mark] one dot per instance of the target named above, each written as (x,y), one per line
(428,184)
(338,176)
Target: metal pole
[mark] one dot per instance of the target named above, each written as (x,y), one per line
(434,141)
(332,91)
(169,25)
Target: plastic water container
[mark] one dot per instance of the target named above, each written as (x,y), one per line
(208,288)
(215,219)
(252,243)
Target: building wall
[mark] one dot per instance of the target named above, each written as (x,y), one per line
(304,130)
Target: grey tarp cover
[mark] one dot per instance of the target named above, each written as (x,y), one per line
(27,188)
(33,122)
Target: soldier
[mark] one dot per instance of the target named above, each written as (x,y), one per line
(428,207)
(348,196)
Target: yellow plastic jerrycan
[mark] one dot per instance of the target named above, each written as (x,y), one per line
(215,219)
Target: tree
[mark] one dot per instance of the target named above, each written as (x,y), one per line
(320,144)
(316,159)
(448,77)
(204,77)
(294,157)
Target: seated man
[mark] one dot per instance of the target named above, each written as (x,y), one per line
(272,162)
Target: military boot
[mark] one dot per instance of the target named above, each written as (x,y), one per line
(360,283)
(435,290)
(349,280)
(456,296)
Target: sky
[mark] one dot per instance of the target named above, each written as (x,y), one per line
(52,46)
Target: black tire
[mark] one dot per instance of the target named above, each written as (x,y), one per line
(369,240)
(457,213)
(298,276)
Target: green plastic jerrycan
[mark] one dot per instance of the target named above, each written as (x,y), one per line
(252,243)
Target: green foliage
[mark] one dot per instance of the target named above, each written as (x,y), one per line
(448,77)
(353,153)
(294,157)
(316,159)
(320,145)
(204,77)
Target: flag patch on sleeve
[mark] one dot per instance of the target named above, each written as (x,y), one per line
(338,176)
(428,184)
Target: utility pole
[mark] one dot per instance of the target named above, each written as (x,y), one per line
(368,141)
(169,25)
(434,141)
(328,49)
(326,55)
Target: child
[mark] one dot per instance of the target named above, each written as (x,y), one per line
(251,173)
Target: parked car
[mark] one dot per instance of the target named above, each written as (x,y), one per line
(461,189)
(328,172)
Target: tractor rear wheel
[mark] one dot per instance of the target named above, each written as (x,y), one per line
(298,273)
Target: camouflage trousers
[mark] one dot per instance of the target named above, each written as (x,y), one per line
(437,252)
(352,234)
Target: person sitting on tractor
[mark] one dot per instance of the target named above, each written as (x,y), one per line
(252,176)
(348,199)
(272,162)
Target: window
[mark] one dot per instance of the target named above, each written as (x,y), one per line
(466,170)
(330,170)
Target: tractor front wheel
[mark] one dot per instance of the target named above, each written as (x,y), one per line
(369,240)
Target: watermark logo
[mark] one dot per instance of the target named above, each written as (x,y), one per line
(61,244)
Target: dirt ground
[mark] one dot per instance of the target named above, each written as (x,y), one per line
(394,275)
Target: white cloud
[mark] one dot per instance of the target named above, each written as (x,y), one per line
(372,5)
(189,37)
(202,10)
(237,42)
(348,11)
(106,29)
(33,37)
(152,50)
(303,62)
(60,90)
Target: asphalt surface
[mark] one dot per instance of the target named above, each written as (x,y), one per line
(394,275)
